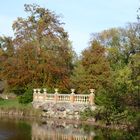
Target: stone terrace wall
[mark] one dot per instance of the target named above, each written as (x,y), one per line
(62,106)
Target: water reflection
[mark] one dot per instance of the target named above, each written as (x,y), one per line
(15,129)
(53,130)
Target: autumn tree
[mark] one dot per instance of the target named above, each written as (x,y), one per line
(93,70)
(42,52)
(95,63)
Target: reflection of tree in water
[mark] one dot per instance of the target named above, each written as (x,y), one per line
(52,130)
(59,131)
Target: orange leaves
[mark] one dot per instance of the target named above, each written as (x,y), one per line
(42,55)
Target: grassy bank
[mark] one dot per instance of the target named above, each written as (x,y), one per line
(13,107)
(13,103)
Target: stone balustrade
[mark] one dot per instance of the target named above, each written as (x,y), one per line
(70,98)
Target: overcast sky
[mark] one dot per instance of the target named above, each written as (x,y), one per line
(81,17)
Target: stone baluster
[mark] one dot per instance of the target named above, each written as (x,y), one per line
(45,92)
(38,93)
(72,96)
(91,98)
(38,90)
(56,94)
(34,94)
(34,91)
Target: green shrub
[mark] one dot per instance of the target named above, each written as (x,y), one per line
(18,90)
(87,113)
(27,97)
(1,99)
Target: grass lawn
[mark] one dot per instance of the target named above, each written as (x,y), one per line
(13,103)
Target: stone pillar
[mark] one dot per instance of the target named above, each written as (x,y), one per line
(91,97)
(56,94)
(70,137)
(34,94)
(6,97)
(45,92)
(90,138)
(38,93)
(72,96)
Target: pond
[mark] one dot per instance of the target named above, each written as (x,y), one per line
(16,129)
